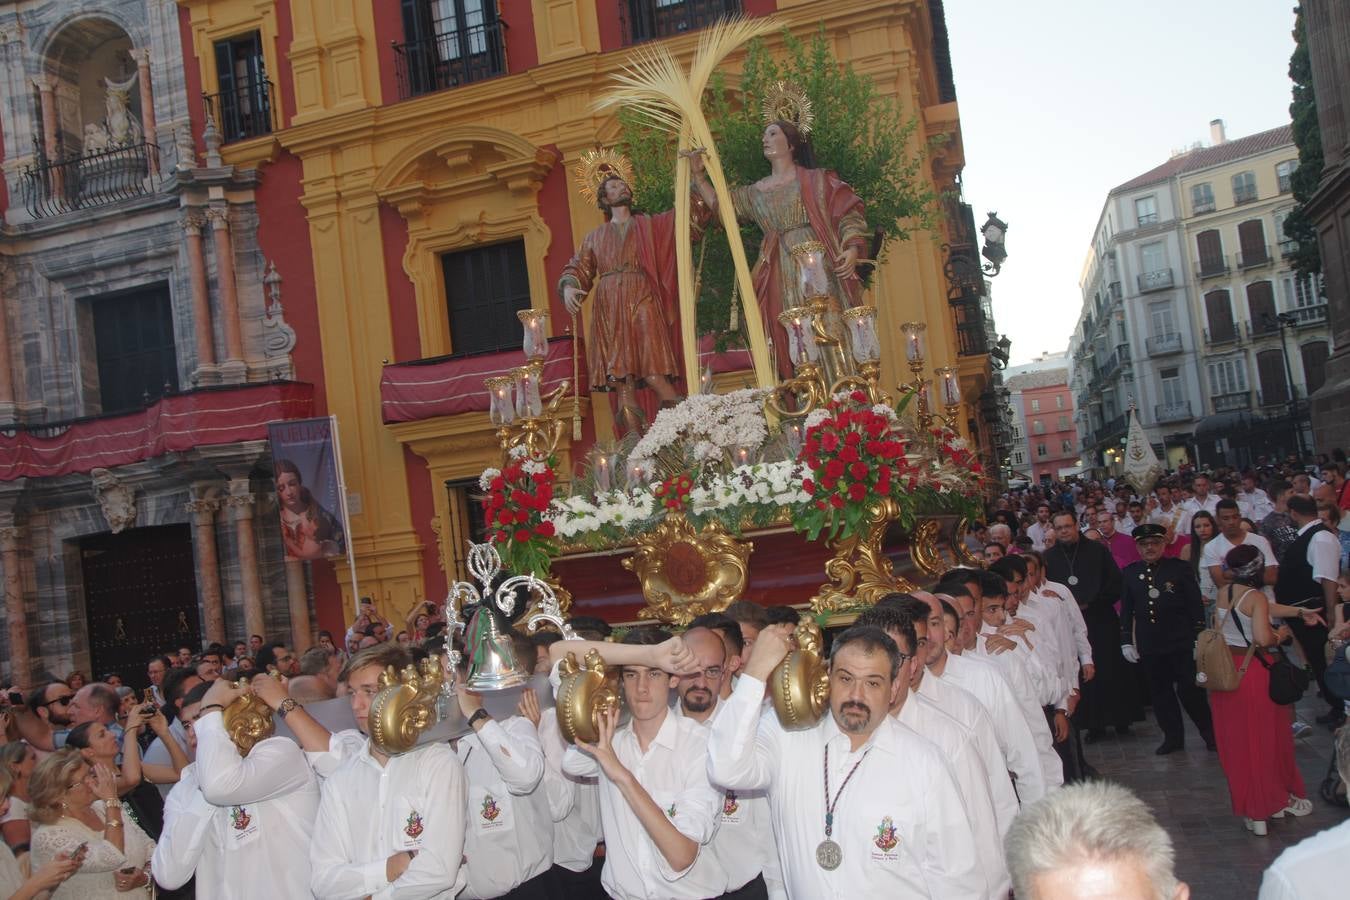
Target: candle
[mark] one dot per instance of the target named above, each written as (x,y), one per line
(535,342)
(603,473)
(742,456)
(913,332)
(951,386)
(501,405)
(705,381)
(793,433)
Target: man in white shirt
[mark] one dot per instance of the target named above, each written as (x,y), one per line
(889,820)
(1200,499)
(953,740)
(243,822)
(1052,592)
(1231,535)
(1307,579)
(1041,531)
(1253,502)
(574,804)
(389,827)
(658,810)
(744,843)
(1312,869)
(508,849)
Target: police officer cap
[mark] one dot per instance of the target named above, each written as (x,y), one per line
(1144,532)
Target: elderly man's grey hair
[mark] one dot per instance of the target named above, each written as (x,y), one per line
(1000,534)
(1093,820)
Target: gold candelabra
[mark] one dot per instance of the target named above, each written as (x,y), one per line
(948,380)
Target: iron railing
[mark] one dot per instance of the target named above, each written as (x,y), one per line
(1246,194)
(1263,326)
(1310,315)
(449,60)
(1155,281)
(1163,344)
(1211,266)
(51,188)
(1172,412)
(1225,335)
(1254,256)
(647,20)
(1232,402)
(243,112)
(1288,247)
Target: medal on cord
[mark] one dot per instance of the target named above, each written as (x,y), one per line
(1073,561)
(828,853)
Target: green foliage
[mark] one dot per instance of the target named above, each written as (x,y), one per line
(858,133)
(1307,260)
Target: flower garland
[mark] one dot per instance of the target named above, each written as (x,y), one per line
(518,498)
(707,426)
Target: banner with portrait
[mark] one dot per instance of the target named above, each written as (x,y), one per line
(307,476)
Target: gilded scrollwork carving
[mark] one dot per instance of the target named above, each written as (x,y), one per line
(685,573)
(860,572)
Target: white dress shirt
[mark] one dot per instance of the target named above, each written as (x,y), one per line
(1053,590)
(510,824)
(900,822)
(1324,554)
(1311,869)
(674,773)
(369,812)
(1015,735)
(962,706)
(1044,683)
(1256,505)
(158,754)
(1054,636)
(957,746)
(744,842)
(244,823)
(1040,535)
(1192,506)
(1052,767)
(574,803)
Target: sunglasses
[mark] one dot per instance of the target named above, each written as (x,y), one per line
(65,701)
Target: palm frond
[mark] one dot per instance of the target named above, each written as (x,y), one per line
(720,40)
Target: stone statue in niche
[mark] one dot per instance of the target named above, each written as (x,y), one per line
(120,127)
(117,500)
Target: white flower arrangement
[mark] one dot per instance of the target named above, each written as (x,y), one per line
(485,480)
(712,424)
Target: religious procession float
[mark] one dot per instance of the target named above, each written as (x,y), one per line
(799,475)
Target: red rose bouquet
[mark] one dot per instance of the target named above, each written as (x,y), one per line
(517,498)
(854,456)
(673,493)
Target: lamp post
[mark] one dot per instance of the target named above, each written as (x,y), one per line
(1290,320)
(995,232)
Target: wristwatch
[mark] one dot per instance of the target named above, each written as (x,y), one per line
(287,705)
(478,714)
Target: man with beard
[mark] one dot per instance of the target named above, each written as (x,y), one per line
(629,263)
(1041,532)
(889,820)
(1092,576)
(744,843)
(50,704)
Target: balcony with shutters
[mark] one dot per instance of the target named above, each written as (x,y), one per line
(1222,336)
(449,60)
(648,20)
(1212,267)
(1252,257)
(1159,280)
(1164,344)
(243,112)
(1235,402)
(1172,412)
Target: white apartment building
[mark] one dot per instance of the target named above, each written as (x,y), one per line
(1191,315)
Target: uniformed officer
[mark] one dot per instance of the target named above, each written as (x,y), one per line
(1160,615)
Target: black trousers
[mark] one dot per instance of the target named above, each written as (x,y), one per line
(754,889)
(541,887)
(569,885)
(1171,677)
(1069,749)
(1313,640)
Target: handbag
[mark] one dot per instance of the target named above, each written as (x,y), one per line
(1288,682)
(1214,666)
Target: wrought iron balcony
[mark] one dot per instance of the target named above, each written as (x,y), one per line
(647,20)
(1256,256)
(94,179)
(1232,402)
(1159,280)
(1226,335)
(449,60)
(1262,326)
(1277,397)
(1244,195)
(972,338)
(1211,267)
(1172,412)
(1114,427)
(1163,344)
(243,112)
(1310,315)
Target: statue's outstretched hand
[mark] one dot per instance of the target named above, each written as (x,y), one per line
(695,157)
(572,298)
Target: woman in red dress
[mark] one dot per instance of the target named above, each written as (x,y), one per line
(1255,735)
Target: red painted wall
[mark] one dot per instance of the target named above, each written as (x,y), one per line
(610,12)
(193,79)
(423,509)
(522,51)
(283,80)
(553,209)
(1053,438)
(388,30)
(402,297)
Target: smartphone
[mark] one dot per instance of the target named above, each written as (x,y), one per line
(15,698)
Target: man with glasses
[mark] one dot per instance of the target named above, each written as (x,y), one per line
(50,704)
(744,843)
(1160,615)
(957,743)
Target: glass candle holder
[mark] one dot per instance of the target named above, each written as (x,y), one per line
(529,404)
(501,400)
(862,332)
(602,468)
(742,455)
(792,433)
(705,380)
(813,279)
(802,347)
(949,385)
(534,322)
(914,341)
(635,477)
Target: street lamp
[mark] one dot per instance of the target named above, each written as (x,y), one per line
(995,232)
(1289,320)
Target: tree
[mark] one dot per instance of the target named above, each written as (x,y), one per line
(858,133)
(1307,259)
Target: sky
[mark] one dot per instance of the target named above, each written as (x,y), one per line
(1060,102)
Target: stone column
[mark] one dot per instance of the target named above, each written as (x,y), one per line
(201,298)
(219,218)
(298,598)
(47,102)
(241,502)
(142,57)
(203,512)
(20,667)
(6,364)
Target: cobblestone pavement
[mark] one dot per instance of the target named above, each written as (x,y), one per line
(1215,854)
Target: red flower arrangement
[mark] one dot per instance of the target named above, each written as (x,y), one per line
(517,498)
(951,448)
(854,457)
(673,493)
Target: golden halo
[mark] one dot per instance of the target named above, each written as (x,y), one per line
(597,165)
(789,103)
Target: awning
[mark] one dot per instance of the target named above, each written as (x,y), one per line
(1224,424)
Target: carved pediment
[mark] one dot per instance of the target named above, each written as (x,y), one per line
(472,161)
